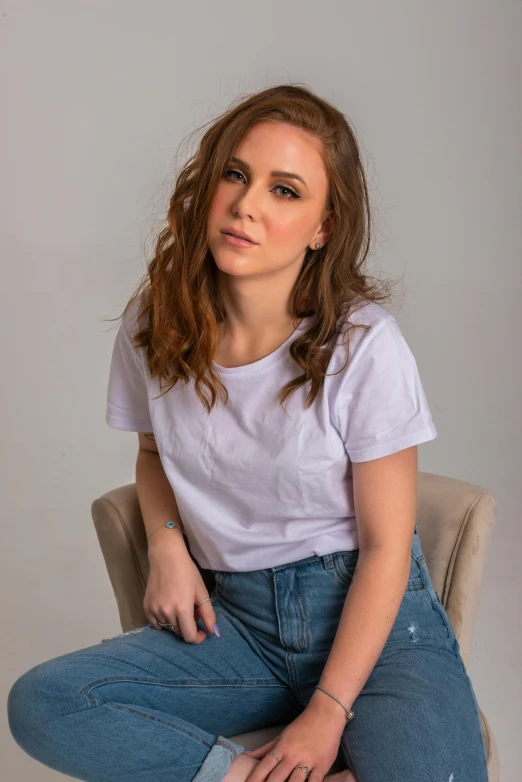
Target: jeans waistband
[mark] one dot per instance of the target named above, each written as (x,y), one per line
(327,559)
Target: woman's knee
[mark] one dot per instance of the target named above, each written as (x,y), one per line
(35,699)
(20,705)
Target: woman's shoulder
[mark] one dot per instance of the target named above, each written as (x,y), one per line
(366,313)
(129,320)
(361,324)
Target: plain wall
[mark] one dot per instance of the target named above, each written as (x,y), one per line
(96,97)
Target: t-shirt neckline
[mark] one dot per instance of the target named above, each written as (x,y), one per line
(256,366)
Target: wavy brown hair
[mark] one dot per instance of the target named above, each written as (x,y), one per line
(180,310)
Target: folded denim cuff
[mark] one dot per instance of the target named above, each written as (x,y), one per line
(217,763)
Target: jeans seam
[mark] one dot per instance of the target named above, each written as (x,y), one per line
(414,584)
(419,558)
(167,723)
(346,577)
(351,764)
(342,572)
(439,608)
(304,638)
(293,677)
(477,714)
(223,743)
(257,682)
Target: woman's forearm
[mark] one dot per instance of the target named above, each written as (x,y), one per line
(370,609)
(158,505)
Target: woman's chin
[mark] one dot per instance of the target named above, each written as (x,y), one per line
(233,263)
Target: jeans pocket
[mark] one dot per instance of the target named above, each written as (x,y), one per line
(345,563)
(420,620)
(439,608)
(222,575)
(220,579)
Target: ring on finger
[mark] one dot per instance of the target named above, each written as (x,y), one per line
(303,768)
(172,627)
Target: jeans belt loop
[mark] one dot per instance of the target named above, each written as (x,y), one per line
(328,561)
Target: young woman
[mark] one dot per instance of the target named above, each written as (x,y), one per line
(282,456)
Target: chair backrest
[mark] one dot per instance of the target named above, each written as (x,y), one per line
(455,520)
(455,523)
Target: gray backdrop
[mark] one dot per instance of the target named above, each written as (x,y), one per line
(95,98)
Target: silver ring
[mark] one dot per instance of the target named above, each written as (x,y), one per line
(172,627)
(274,754)
(305,769)
(202,601)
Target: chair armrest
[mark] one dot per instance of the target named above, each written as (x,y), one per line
(121,534)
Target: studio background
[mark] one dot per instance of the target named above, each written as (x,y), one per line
(96,97)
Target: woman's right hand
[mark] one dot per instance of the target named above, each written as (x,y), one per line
(174,587)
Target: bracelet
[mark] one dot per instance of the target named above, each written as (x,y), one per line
(349,713)
(168,524)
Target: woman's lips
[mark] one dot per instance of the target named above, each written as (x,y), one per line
(236,241)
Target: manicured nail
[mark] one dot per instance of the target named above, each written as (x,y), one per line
(216,630)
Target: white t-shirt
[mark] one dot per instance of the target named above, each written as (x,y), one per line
(258,488)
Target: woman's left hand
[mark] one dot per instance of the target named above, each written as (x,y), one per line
(310,740)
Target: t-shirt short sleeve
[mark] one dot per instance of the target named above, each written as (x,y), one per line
(381,405)
(127,399)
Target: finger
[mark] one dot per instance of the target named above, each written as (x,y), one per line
(207,614)
(263,749)
(293,773)
(155,620)
(270,769)
(260,752)
(189,630)
(298,775)
(166,621)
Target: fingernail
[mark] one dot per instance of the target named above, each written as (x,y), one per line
(216,630)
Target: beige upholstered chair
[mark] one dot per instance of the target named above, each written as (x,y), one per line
(455,520)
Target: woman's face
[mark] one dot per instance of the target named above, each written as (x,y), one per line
(282,214)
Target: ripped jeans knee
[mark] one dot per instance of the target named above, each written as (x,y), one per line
(139,629)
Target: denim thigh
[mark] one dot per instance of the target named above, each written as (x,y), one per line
(147,706)
(416,718)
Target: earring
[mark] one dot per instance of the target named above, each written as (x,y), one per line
(317,246)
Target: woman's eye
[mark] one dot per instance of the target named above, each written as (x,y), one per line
(290,190)
(293,193)
(232,171)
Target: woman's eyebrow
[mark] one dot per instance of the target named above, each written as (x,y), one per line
(272,173)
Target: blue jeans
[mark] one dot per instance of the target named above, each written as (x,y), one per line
(147,706)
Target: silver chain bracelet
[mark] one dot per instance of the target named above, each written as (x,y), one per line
(349,713)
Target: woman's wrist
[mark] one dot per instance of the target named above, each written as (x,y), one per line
(328,708)
(166,539)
